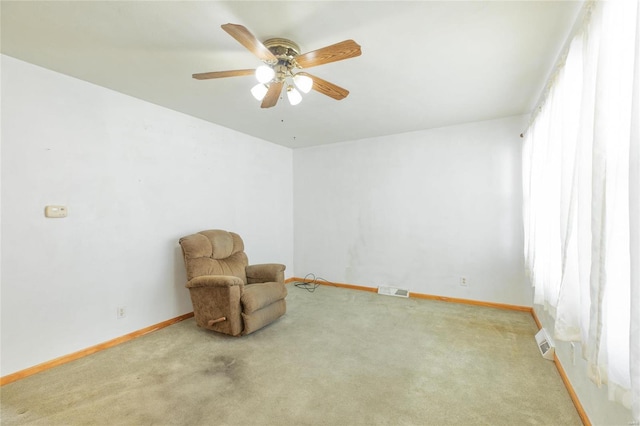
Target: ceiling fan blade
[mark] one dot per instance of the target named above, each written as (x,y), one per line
(336,52)
(221,74)
(271,98)
(248,40)
(323,86)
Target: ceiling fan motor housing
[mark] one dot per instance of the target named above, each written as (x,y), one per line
(282,48)
(285,50)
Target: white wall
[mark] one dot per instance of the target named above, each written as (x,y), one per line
(135,177)
(417,211)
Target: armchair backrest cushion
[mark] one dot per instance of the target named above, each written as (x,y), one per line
(214,252)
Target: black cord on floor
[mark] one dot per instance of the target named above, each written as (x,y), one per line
(310,284)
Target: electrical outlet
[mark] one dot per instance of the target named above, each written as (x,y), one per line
(122,312)
(463,281)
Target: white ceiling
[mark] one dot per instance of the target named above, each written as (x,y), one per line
(424,64)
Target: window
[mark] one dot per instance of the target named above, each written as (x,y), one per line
(581,182)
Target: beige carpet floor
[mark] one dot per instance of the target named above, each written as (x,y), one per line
(338,357)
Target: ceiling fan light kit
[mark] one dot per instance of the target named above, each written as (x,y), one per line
(282,67)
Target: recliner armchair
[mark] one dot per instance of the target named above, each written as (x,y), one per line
(229,295)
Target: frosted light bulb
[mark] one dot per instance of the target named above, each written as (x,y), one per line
(303,83)
(294,96)
(264,73)
(259,91)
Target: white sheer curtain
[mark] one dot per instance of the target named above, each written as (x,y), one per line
(581,197)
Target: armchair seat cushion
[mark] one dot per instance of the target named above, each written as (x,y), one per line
(258,296)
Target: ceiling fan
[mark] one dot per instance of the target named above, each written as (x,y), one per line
(283,65)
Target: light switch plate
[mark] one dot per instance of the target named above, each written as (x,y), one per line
(55,211)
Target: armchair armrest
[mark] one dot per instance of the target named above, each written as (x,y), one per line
(265,272)
(214,281)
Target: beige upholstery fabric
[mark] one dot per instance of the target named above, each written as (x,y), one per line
(259,295)
(264,316)
(264,273)
(222,284)
(214,252)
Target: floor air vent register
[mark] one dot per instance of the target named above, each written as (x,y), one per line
(392,291)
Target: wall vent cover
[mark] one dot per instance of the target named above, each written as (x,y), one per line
(392,291)
(545,344)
